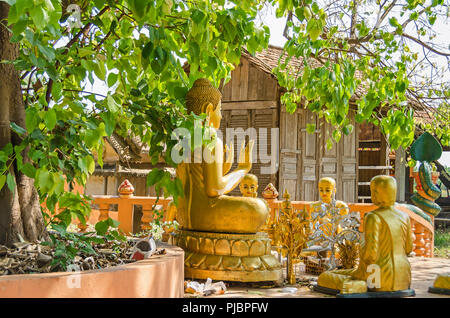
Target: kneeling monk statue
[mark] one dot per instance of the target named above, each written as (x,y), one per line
(383,265)
(219,233)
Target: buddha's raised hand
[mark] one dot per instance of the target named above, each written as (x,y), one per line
(245,156)
(229,156)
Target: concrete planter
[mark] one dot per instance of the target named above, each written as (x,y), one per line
(161,276)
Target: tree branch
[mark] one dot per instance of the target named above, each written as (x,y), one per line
(385,13)
(68,45)
(424,45)
(285,31)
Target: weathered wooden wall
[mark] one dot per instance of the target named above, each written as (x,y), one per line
(304,157)
(250,101)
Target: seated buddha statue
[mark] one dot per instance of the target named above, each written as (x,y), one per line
(205,205)
(383,265)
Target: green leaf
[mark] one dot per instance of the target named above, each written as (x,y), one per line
(29,170)
(100,70)
(50,119)
(99,3)
(314,29)
(348,129)
(13,16)
(147,50)
(197,16)
(112,79)
(111,104)
(336,135)
(90,164)
(39,16)
(310,128)
(45,180)
(17,129)
(102,227)
(160,60)
(329,144)
(11,182)
(2,181)
(110,122)
(154,176)
(59,183)
(48,52)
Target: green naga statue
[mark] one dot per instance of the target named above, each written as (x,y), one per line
(426,149)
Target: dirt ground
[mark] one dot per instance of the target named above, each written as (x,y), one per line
(424,271)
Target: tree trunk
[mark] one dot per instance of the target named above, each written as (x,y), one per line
(20,212)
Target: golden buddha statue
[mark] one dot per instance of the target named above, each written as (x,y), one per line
(206,207)
(218,232)
(383,264)
(249,186)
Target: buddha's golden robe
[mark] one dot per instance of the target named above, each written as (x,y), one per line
(387,241)
(224,214)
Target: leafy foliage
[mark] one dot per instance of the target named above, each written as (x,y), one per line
(357,63)
(136,48)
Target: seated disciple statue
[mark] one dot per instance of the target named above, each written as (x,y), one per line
(383,264)
(328,204)
(205,205)
(249,186)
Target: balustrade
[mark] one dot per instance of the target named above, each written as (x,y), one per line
(422,230)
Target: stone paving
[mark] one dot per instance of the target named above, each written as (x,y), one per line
(424,271)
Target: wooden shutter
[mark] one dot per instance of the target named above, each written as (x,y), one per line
(289,153)
(308,169)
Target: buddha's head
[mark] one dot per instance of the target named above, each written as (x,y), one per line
(383,190)
(327,189)
(249,186)
(205,98)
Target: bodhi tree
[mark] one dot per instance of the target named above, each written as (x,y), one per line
(53,126)
(383,57)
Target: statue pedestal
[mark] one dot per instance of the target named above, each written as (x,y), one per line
(228,257)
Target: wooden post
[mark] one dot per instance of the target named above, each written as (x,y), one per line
(400,173)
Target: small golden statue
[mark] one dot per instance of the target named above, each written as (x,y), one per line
(249,186)
(383,269)
(219,233)
(325,211)
(441,284)
(327,192)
